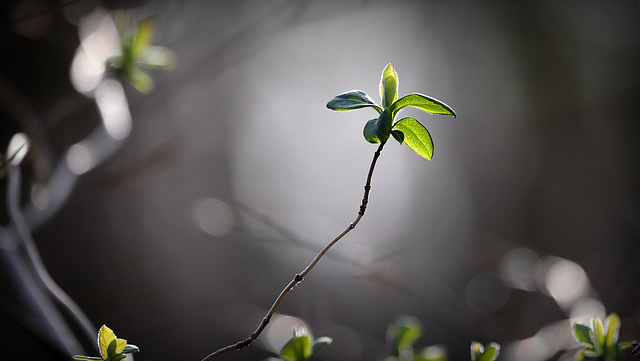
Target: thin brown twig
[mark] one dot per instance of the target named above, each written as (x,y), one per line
(299,276)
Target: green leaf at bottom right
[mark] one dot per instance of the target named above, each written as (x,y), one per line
(416,136)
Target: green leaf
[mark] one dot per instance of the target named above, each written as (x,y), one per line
(388,86)
(402,334)
(626,345)
(354,99)
(613,328)
(590,352)
(87,358)
(319,344)
(598,339)
(130,349)
(490,353)
(377,130)
(422,102)
(105,337)
(144,35)
(583,334)
(118,357)
(140,80)
(416,136)
(398,135)
(297,349)
(111,349)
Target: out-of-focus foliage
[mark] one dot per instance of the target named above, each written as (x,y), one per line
(405,331)
(601,341)
(136,52)
(301,346)
(484,353)
(401,336)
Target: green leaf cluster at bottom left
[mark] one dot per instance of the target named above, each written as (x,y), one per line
(111,347)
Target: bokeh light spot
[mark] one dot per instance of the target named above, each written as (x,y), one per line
(213,216)
(40,196)
(114,109)
(280,330)
(566,282)
(18,147)
(80,159)
(585,309)
(86,72)
(519,268)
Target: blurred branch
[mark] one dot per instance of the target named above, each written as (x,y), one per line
(58,332)
(300,276)
(36,13)
(35,126)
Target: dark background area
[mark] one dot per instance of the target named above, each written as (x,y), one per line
(235,174)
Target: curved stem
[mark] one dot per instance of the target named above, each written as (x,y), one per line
(299,276)
(23,234)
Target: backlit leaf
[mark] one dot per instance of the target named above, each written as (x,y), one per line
(143,37)
(490,353)
(120,345)
(476,350)
(422,102)
(388,86)
(297,349)
(354,99)
(598,335)
(117,357)
(613,327)
(416,136)
(583,334)
(140,80)
(626,345)
(402,334)
(130,349)
(105,336)
(319,344)
(378,130)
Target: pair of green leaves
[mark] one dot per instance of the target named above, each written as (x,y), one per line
(601,341)
(401,336)
(111,347)
(407,130)
(489,352)
(403,333)
(302,346)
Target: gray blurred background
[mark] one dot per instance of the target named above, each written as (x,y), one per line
(234,174)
